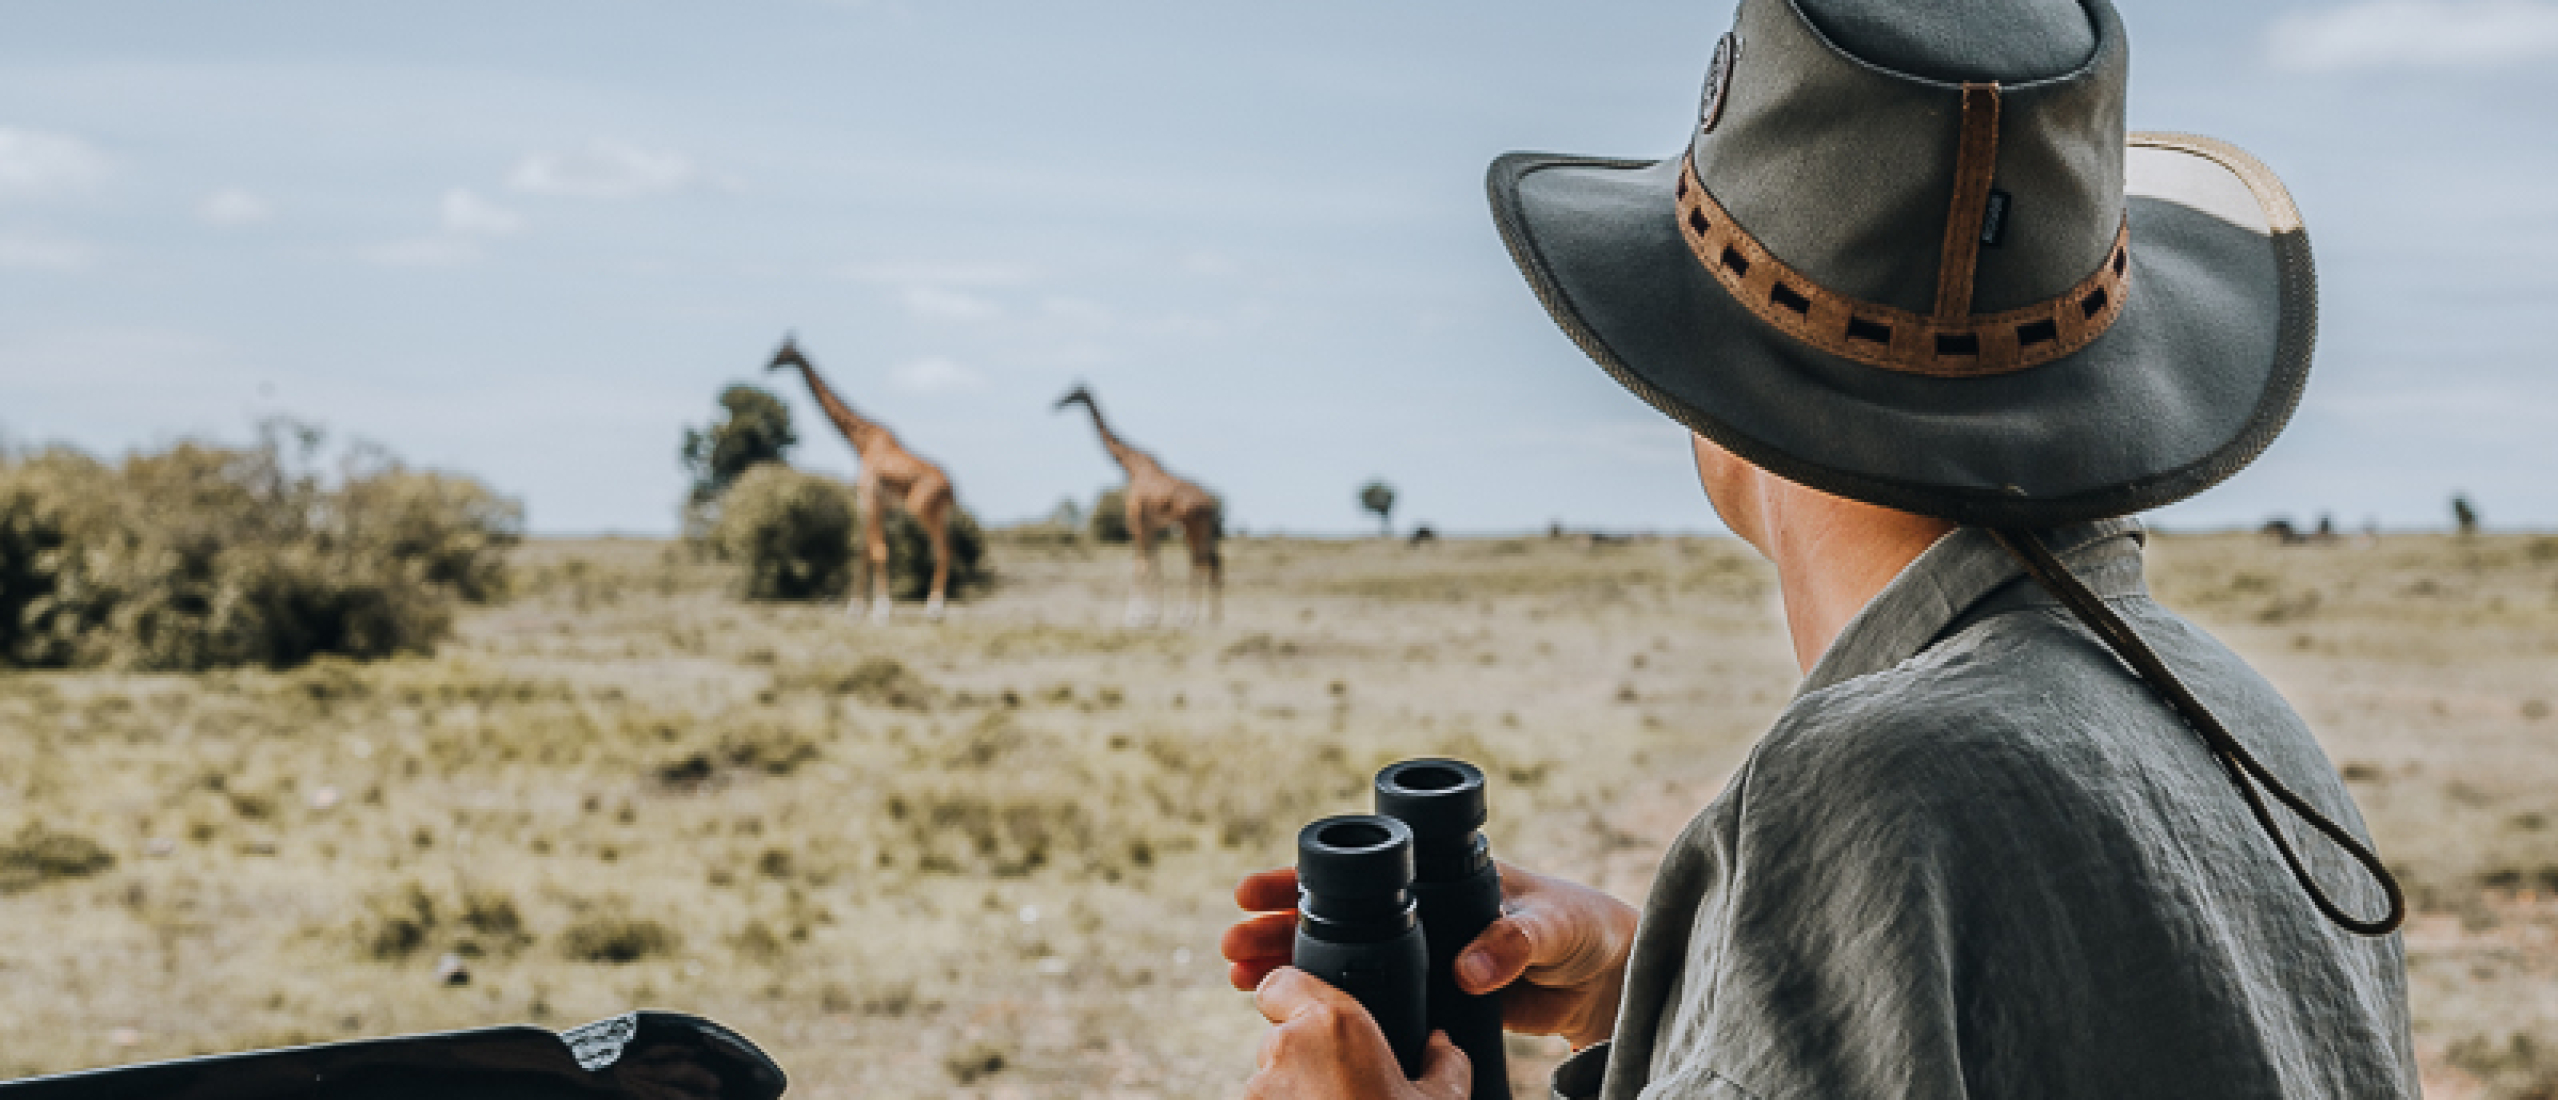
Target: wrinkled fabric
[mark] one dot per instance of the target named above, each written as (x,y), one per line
(1977,857)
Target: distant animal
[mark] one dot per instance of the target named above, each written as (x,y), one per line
(1155,498)
(891,476)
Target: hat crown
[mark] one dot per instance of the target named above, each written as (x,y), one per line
(2008,41)
(1834,134)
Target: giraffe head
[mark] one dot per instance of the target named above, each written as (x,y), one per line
(788,355)
(1078,395)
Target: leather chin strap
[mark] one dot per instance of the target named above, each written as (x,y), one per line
(2234,758)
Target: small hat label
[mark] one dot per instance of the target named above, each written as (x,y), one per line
(1718,80)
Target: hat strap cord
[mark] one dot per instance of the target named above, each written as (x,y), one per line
(2234,758)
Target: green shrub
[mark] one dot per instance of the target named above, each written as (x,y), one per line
(39,855)
(797,536)
(793,533)
(1109,516)
(910,556)
(613,938)
(204,556)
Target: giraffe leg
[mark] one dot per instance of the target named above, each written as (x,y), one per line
(1141,530)
(875,552)
(1206,572)
(935,515)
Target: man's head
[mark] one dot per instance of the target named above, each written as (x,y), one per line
(1908,256)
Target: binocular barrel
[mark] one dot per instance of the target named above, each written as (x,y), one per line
(1357,927)
(1457,892)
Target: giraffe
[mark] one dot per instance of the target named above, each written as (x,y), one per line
(891,476)
(1155,497)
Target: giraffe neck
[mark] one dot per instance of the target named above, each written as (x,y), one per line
(859,431)
(1129,458)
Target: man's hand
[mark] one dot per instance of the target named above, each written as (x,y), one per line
(1326,1046)
(1557,953)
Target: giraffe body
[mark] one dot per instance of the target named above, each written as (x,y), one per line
(1157,499)
(891,477)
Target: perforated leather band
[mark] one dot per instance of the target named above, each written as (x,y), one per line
(1878,335)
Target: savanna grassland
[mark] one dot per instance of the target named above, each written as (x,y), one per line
(991,856)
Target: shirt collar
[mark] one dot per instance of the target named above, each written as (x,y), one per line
(1950,577)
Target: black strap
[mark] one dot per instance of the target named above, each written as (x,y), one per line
(2234,758)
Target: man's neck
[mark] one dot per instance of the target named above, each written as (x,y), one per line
(1832,556)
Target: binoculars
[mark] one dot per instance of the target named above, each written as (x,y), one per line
(1386,900)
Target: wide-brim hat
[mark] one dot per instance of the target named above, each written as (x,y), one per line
(1911,257)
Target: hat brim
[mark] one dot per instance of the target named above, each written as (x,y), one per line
(2196,376)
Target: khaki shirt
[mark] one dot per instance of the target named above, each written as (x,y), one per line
(1976,857)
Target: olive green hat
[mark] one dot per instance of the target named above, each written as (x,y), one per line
(1911,257)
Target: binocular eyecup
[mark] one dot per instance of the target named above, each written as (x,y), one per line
(1358,927)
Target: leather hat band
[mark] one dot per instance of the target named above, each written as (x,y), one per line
(1897,339)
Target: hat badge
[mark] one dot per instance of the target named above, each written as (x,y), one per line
(1718,81)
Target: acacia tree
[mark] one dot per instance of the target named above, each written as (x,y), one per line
(1378,497)
(754,428)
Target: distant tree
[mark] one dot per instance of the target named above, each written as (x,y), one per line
(1378,497)
(754,428)
(2464,514)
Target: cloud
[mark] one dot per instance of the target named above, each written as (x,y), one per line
(935,374)
(934,303)
(467,214)
(444,251)
(609,170)
(232,207)
(44,253)
(941,273)
(464,220)
(36,164)
(2415,35)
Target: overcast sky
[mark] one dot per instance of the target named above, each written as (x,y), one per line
(532,239)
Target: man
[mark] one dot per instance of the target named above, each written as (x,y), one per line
(1935,322)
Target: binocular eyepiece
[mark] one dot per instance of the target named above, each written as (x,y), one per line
(1358,928)
(1387,900)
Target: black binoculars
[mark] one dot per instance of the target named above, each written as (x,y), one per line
(1385,901)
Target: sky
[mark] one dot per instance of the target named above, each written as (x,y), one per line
(532,240)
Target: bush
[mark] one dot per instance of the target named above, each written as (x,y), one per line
(205,556)
(39,855)
(613,938)
(793,533)
(910,556)
(798,537)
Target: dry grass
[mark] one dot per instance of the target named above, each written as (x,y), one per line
(990,857)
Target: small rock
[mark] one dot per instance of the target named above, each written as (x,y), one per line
(324,797)
(450,971)
(159,847)
(125,1037)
